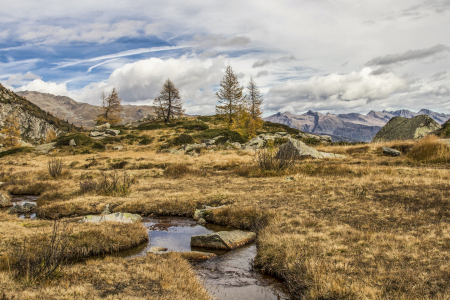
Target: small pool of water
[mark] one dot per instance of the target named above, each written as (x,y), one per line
(21,200)
(229,276)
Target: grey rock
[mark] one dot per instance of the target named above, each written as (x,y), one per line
(236,145)
(289,179)
(72,142)
(390,151)
(225,240)
(301,150)
(45,148)
(201,221)
(96,134)
(400,128)
(106,210)
(102,128)
(118,147)
(25,208)
(203,213)
(157,250)
(5,200)
(115,217)
(112,132)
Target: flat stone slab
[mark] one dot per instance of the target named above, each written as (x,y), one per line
(115,217)
(225,240)
(390,151)
(197,255)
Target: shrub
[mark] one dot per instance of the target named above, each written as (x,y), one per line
(182,139)
(114,185)
(41,257)
(98,146)
(429,149)
(87,186)
(55,167)
(176,170)
(273,160)
(151,126)
(146,141)
(119,165)
(198,126)
(79,138)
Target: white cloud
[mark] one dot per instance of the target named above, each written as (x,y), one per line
(355,86)
(19,79)
(46,87)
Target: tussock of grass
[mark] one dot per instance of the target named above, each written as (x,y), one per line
(177,170)
(430,150)
(25,187)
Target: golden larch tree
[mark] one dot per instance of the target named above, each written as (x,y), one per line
(168,102)
(10,137)
(112,109)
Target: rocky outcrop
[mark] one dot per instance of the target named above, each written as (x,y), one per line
(225,240)
(45,148)
(390,151)
(400,128)
(5,200)
(104,130)
(300,150)
(322,138)
(116,217)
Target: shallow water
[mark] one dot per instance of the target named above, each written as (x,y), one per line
(229,276)
(21,200)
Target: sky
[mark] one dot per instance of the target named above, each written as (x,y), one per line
(334,56)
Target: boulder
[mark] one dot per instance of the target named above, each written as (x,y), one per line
(96,134)
(201,221)
(197,255)
(203,213)
(157,250)
(5,200)
(45,148)
(25,208)
(118,147)
(400,128)
(236,145)
(102,128)
(72,142)
(301,150)
(112,132)
(225,240)
(212,141)
(115,217)
(390,151)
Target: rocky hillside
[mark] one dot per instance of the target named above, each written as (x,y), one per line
(352,125)
(400,128)
(81,114)
(35,123)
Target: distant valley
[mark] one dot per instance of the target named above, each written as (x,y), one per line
(351,126)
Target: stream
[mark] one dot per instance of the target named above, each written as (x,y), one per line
(21,200)
(228,276)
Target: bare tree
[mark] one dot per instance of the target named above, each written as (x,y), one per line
(168,102)
(230,96)
(112,108)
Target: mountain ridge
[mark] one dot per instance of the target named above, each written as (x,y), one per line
(351,125)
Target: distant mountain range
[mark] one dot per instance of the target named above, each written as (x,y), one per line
(352,125)
(81,114)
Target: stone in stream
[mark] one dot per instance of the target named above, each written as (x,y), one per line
(225,240)
(390,151)
(202,213)
(25,208)
(5,200)
(115,217)
(157,250)
(197,255)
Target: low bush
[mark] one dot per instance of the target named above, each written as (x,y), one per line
(177,171)
(98,146)
(276,127)
(151,126)
(88,186)
(275,160)
(198,126)
(119,165)
(16,150)
(182,139)
(430,150)
(146,141)
(80,139)
(41,257)
(55,167)
(112,184)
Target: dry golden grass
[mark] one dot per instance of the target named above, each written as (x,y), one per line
(365,227)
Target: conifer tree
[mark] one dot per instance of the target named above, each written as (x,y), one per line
(10,132)
(254,102)
(112,108)
(231,98)
(168,102)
